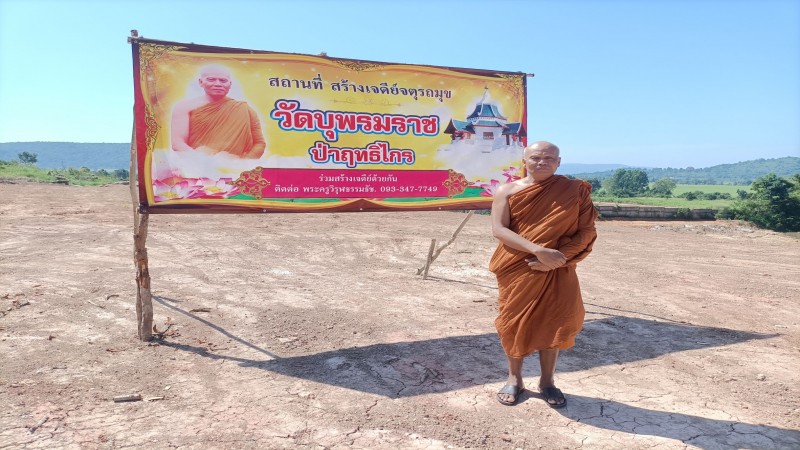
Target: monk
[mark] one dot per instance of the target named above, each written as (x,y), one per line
(214,122)
(545,224)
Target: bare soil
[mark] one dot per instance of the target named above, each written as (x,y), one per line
(314,331)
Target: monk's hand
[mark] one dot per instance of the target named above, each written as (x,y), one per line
(552,259)
(535,265)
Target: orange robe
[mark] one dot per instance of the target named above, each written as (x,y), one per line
(226,126)
(544,310)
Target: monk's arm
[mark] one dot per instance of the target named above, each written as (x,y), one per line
(180,128)
(501,219)
(578,246)
(259,144)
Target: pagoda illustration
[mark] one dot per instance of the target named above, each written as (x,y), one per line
(485,128)
(484,143)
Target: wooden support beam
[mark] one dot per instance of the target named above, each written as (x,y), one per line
(433,255)
(144,299)
(429,260)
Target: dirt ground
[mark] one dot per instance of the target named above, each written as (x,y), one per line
(314,331)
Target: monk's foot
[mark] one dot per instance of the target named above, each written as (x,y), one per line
(509,394)
(553,396)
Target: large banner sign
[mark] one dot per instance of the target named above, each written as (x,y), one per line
(231,130)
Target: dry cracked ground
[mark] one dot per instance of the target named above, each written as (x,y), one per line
(314,331)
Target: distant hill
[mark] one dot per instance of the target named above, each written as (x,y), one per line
(573,168)
(61,155)
(741,173)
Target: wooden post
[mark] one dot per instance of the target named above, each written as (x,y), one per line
(144,300)
(432,256)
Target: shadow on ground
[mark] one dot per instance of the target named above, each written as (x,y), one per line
(695,431)
(406,369)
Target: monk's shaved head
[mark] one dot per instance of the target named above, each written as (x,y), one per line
(542,145)
(214,69)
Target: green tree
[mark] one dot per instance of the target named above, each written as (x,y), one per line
(663,187)
(691,195)
(774,203)
(28,158)
(626,183)
(595,182)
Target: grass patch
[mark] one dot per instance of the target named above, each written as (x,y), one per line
(679,202)
(669,202)
(709,188)
(79,177)
(25,171)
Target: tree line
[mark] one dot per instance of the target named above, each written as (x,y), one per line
(773,202)
(742,173)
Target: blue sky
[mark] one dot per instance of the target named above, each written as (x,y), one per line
(665,83)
